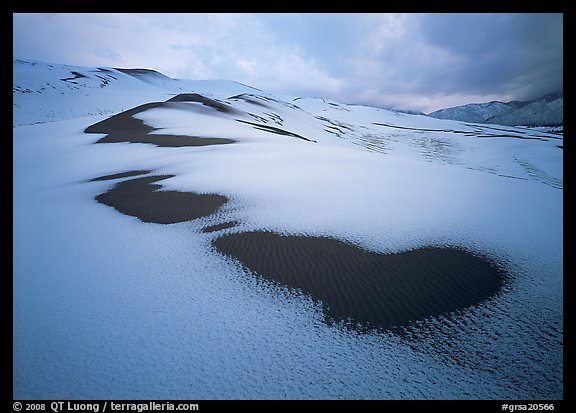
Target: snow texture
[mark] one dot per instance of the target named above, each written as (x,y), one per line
(107,306)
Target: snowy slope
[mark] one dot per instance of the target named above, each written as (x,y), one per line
(109,306)
(547,111)
(83,91)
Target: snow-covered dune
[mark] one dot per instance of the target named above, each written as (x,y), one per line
(45,92)
(178,239)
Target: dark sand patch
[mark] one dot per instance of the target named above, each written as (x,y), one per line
(219,227)
(76,76)
(195,97)
(277,131)
(140,198)
(128,174)
(167,141)
(124,127)
(382,291)
(143,74)
(124,124)
(249,99)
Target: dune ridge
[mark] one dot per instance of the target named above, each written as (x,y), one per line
(124,127)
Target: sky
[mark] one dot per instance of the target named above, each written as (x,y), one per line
(419,62)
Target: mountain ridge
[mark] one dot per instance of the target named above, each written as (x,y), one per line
(547,110)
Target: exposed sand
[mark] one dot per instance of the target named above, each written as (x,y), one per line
(123,127)
(219,227)
(195,97)
(124,123)
(277,131)
(140,198)
(376,290)
(250,99)
(128,174)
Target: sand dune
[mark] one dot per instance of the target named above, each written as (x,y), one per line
(124,127)
(375,290)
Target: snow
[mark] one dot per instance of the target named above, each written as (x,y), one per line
(106,306)
(98,91)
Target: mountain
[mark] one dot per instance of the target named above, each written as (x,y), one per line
(546,111)
(177,239)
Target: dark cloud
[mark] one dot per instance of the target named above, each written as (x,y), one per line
(515,54)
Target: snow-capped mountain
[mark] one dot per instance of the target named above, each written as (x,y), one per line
(181,239)
(546,111)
